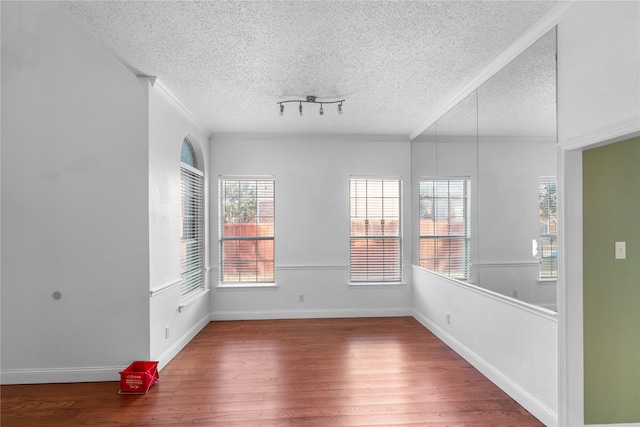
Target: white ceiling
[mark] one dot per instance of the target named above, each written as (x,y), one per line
(230,62)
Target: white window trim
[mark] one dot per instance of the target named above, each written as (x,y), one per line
(377,283)
(232,284)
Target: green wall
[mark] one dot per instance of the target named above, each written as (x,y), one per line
(611,179)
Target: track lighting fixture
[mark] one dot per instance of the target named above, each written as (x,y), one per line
(311,100)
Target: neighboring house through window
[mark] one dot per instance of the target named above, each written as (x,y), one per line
(376,230)
(192,222)
(444,227)
(247,240)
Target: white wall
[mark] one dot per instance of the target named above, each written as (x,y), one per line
(74,203)
(168,127)
(598,63)
(598,103)
(512,343)
(312,224)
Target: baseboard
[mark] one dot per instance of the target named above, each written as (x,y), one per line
(167,355)
(517,393)
(93,374)
(614,425)
(61,375)
(310,314)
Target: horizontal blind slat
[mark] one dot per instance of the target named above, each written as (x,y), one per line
(247,231)
(444,229)
(376,230)
(192,231)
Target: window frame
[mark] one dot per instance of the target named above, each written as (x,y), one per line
(192,270)
(222,238)
(465,236)
(546,234)
(370,277)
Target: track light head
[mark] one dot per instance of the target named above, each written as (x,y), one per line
(281,109)
(321,110)
(300,108)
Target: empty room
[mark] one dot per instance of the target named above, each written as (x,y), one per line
(320,213)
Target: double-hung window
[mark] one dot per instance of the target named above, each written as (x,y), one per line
(444,227)
(247,208)
(376,230)
(192,222)
(548,249)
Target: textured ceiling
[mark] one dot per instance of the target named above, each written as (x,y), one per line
(396,63)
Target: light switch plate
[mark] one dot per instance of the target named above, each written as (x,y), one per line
(621,250)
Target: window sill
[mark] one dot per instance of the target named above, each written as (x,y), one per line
(377,284)
(547,281)
(191,299)
(245,285)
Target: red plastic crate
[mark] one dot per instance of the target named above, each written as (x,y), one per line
(138,377)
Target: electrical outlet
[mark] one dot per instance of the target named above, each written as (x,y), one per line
(301,298)
(167,332)
(447,317)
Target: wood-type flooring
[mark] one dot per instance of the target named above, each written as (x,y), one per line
(301,372)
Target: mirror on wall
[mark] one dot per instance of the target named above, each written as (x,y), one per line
(486,178)
(446,184)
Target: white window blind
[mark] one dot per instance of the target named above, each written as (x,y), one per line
(192,230)
(376,230)
(548,248)
(444,227)
(247,238)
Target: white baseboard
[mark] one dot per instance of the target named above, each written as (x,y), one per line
(614,425)
(61,375)
(182,342)
(517,393)
(94,373)
(310,314)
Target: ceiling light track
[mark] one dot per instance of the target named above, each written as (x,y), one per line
(311,100)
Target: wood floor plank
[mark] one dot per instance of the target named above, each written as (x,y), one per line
(299,372)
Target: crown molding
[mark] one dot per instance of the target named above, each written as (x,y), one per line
(624,129)
(178,105)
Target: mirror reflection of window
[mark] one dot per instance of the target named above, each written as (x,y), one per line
(548,247)
(444,227)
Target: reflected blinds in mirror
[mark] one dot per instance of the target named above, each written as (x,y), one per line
(548,247)
(444,227)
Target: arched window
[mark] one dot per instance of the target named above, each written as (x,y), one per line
(187,155)
(192,222)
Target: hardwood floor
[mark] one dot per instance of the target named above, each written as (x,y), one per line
(308,372)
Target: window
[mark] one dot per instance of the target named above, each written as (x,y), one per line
(247,230)
(444,227)
(376,230)
(548,235)
(192,224)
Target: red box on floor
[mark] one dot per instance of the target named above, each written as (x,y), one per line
(138,377)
